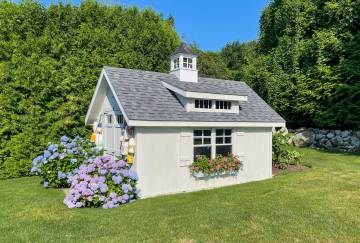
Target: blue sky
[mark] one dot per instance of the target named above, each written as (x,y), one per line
(211,24)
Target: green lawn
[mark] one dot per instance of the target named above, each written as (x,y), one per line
(320,204)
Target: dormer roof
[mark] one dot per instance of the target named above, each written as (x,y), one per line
(184,49)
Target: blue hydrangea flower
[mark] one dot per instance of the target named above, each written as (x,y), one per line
(46,184)
(64,139)
(61,175)
(73,161)
(47,154)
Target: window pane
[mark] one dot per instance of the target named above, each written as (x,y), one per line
(225,105)
(219,132)
(227,139)
(227,132)
(217,104)
(207,141)
(190,60)
(201,104)
(210,104)
(221,105)
(196,103)
(223,149)
(202,151)
(197,133)
(197,141)
(206,103)
(184,65)
(219,140)
(109,117)
(189,65)
(207,132)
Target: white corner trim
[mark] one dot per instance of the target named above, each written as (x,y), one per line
(140,123)
(199,95)
(103,74)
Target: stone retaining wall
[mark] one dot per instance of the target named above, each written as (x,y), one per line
(333,140)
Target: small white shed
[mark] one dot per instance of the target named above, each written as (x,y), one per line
(162,121)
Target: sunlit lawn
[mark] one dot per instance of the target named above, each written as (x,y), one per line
(320,204)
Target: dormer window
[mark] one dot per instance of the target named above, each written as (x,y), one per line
(187,62)
(203,104)
(223,105)
(176,63)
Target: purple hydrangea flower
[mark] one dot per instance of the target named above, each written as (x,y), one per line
(117,179)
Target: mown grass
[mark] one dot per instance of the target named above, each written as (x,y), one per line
(321,204)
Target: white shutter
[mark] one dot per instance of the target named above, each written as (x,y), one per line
(239,142)
(186,149)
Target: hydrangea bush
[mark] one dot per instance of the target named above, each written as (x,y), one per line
(203,166)
(283,154)
(103,183)
(60,161)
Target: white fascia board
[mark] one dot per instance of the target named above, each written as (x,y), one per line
(117,99)
(103,74)
(210,96)
(140,123)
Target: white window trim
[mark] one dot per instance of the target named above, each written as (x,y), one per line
(213,140)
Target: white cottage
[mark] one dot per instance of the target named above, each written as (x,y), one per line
(163,120)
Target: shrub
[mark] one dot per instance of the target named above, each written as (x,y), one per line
(59,161)
(203,166)
(282,153)
(103,183)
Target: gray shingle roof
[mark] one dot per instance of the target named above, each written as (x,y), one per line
(143,96)
(184,48)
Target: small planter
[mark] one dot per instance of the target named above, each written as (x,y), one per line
(220,166)
(201,175)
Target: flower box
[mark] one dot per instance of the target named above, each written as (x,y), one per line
(204,167)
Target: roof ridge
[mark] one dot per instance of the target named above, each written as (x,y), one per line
(140,70)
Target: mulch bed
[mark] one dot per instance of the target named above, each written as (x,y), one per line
(290,168)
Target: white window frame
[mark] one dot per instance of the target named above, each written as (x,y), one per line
(187,62)
(120,119)
(176,63)
(201,104)
(213,143)
(222,105)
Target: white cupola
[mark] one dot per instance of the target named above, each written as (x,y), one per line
(183,64)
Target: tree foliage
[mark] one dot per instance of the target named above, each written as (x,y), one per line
(50,60)
(305,63)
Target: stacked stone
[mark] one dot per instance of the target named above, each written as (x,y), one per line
(333,140)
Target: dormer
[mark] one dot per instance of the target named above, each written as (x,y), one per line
(183,64)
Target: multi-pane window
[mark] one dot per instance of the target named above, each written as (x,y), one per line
(176,63)
(223,105)
(202,143)
(109,119)
(203,104)
(187,62)
(223,141)
(211,142)
(120,119)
